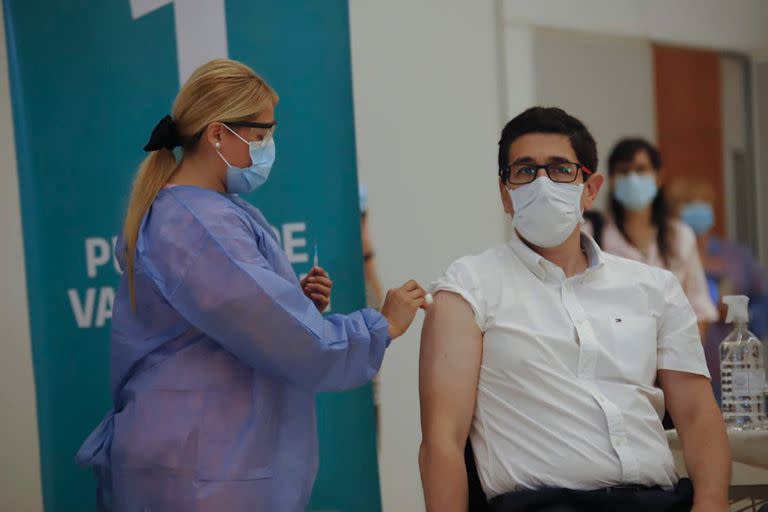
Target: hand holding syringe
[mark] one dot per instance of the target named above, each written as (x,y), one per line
(317,285)
(399,307)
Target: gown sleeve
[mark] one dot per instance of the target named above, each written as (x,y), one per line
(228,290)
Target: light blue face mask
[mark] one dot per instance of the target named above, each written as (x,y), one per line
(635,191)
(242,180)
(363,196)
(699,215)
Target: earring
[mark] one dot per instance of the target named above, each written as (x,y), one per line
(217,145)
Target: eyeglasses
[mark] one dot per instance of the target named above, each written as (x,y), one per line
(560,172)
(252,124)
(270,127)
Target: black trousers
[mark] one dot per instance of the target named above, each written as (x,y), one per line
(617,499)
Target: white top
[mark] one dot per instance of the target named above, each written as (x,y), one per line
(566,395)
(684,262)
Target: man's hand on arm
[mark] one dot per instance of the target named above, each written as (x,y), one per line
(702,433)
(449,366)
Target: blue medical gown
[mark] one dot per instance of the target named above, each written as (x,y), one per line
(214,375)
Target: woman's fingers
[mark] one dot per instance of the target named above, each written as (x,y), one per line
(411,285)
(317,271)
(325,281)
(318,288)
(417,293)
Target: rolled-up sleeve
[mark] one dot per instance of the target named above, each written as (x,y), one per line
(461,280)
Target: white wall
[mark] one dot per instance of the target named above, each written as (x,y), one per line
(736,25)
(427,121)
(20,469)
(605,81)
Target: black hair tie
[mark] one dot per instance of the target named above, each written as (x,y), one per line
(164,136)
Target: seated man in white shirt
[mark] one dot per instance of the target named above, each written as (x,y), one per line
(557,359)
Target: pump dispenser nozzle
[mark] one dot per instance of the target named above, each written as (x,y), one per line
(737,309)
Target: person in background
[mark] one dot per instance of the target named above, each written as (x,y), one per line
(218,350)
(374,294)
(641,227)
(731,269)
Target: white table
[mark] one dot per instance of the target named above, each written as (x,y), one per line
(750,462)
(748,447)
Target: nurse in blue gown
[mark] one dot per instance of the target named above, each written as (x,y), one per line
(217,348)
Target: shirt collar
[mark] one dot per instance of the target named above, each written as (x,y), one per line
(594,253)
(538,264)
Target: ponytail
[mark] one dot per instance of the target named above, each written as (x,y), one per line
(153,175)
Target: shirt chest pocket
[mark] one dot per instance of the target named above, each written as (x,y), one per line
(632,346)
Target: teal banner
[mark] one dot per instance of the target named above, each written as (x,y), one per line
(90,79)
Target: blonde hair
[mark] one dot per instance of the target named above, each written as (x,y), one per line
(221,90)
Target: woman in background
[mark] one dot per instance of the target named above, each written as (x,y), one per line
(640,226)
(374,291)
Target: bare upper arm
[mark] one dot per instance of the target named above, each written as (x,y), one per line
(449,366)
(686,394)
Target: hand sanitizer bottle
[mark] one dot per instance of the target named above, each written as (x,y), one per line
(742,371)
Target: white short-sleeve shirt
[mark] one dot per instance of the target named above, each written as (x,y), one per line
(566,395)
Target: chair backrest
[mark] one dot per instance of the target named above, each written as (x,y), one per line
(477,500)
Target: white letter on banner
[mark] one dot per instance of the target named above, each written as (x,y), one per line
(201,30)
(83,315)
(114,256)
(104,311)
(97,253)
(290,243)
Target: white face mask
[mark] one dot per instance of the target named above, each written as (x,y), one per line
(546,213)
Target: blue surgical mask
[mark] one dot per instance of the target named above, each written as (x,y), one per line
(363,195)
(247,179)
(635,191)
(699,215)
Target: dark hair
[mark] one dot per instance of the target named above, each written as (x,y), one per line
(550,120)
(625,151)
